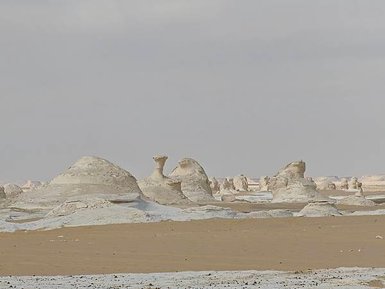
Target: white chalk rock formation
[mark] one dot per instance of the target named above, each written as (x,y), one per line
(373,183)
(289,185)
(227,189)
(326,186)
(214,185)
(264,183)
(240,183)
(195,183)
(344,185)
(162,189)
(31,185)
(358,199)
(353,184)
(231,183)
(226,185)
(12,190)
(319,209)
(89,176)
(228,198)
(70,207)
(2,193)
(332,186)
(277,213)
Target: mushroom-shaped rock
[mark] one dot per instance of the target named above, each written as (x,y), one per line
(240,183)
(195,183)
(289,185)
(161,189)
(90,176)
(319,209)
(12,190)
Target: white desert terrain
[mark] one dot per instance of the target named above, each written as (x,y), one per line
(97,223)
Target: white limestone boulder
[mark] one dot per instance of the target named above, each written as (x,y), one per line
(289,185)
(240,183)
(319,209)
(12,190)
(93,177)
(195,183)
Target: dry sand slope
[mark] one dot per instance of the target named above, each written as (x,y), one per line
(258,244)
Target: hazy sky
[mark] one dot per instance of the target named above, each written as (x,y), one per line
(242,86)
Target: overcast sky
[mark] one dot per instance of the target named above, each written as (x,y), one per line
(241,86)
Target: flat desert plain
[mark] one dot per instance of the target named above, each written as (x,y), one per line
(286,244)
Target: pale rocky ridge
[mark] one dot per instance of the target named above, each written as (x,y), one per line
(94,191)
(373,183)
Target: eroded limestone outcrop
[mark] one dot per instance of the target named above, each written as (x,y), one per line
(353,184)
(214,185)
(344,185)
(12,190)
(264,183)
(31,185)
(89,176)
(358,199)
(195,183)
(162,189)
(319,209)
(240,183)
(373,183)
(289,185)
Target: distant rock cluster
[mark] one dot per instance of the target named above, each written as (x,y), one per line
(96,191)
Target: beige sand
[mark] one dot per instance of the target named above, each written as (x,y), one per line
(259,244)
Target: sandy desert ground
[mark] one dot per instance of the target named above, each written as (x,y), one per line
(207,245)
(296,245)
